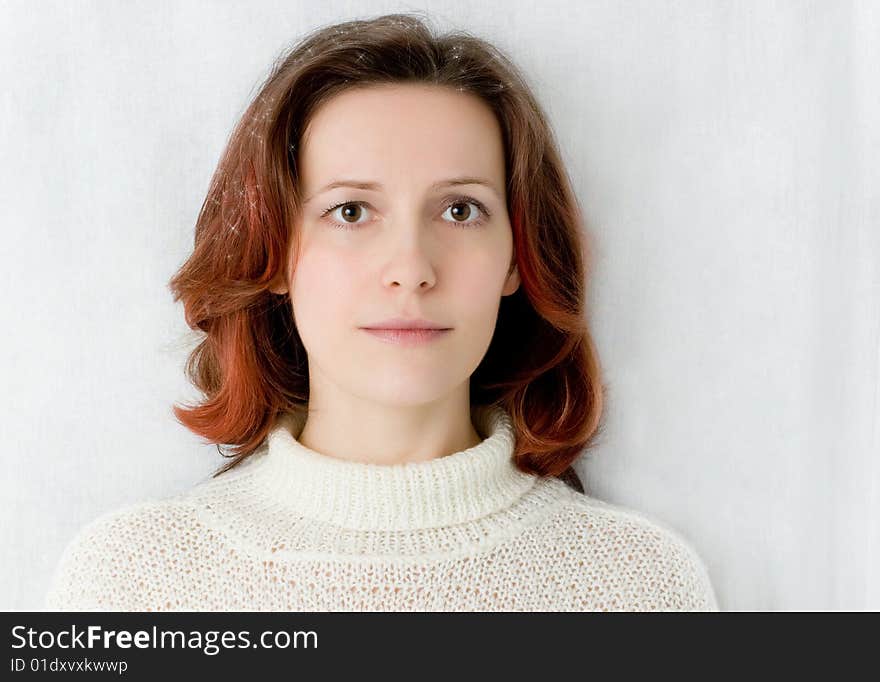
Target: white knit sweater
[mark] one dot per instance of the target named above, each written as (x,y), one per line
(293,529)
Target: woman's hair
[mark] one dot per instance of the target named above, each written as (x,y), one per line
(541,365)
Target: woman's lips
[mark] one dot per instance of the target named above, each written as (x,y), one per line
(407,337)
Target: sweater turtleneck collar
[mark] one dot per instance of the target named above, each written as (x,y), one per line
(447,490)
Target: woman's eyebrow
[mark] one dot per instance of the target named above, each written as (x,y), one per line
(376,186)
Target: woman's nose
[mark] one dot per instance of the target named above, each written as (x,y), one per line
(409,277)
(410,267)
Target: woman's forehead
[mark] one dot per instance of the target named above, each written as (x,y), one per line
(392,133)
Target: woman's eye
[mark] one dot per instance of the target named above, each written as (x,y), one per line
(461,212)
(466,212)
(347,213)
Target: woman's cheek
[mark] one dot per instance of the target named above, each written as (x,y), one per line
(323,294)
(476,284)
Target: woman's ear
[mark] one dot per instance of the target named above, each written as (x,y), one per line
(512,283)
(278,285)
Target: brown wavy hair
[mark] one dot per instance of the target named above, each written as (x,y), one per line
(541,365)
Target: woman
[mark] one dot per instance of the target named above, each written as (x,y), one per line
(389,274)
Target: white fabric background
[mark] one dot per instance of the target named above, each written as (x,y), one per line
(726,156)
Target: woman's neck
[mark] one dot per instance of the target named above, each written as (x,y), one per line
(377,434)
(446,490)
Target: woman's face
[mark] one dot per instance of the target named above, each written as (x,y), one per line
(409,246)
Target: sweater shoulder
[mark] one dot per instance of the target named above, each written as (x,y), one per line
(647,564)
(106,564)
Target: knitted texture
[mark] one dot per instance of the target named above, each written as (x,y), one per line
(294,529)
